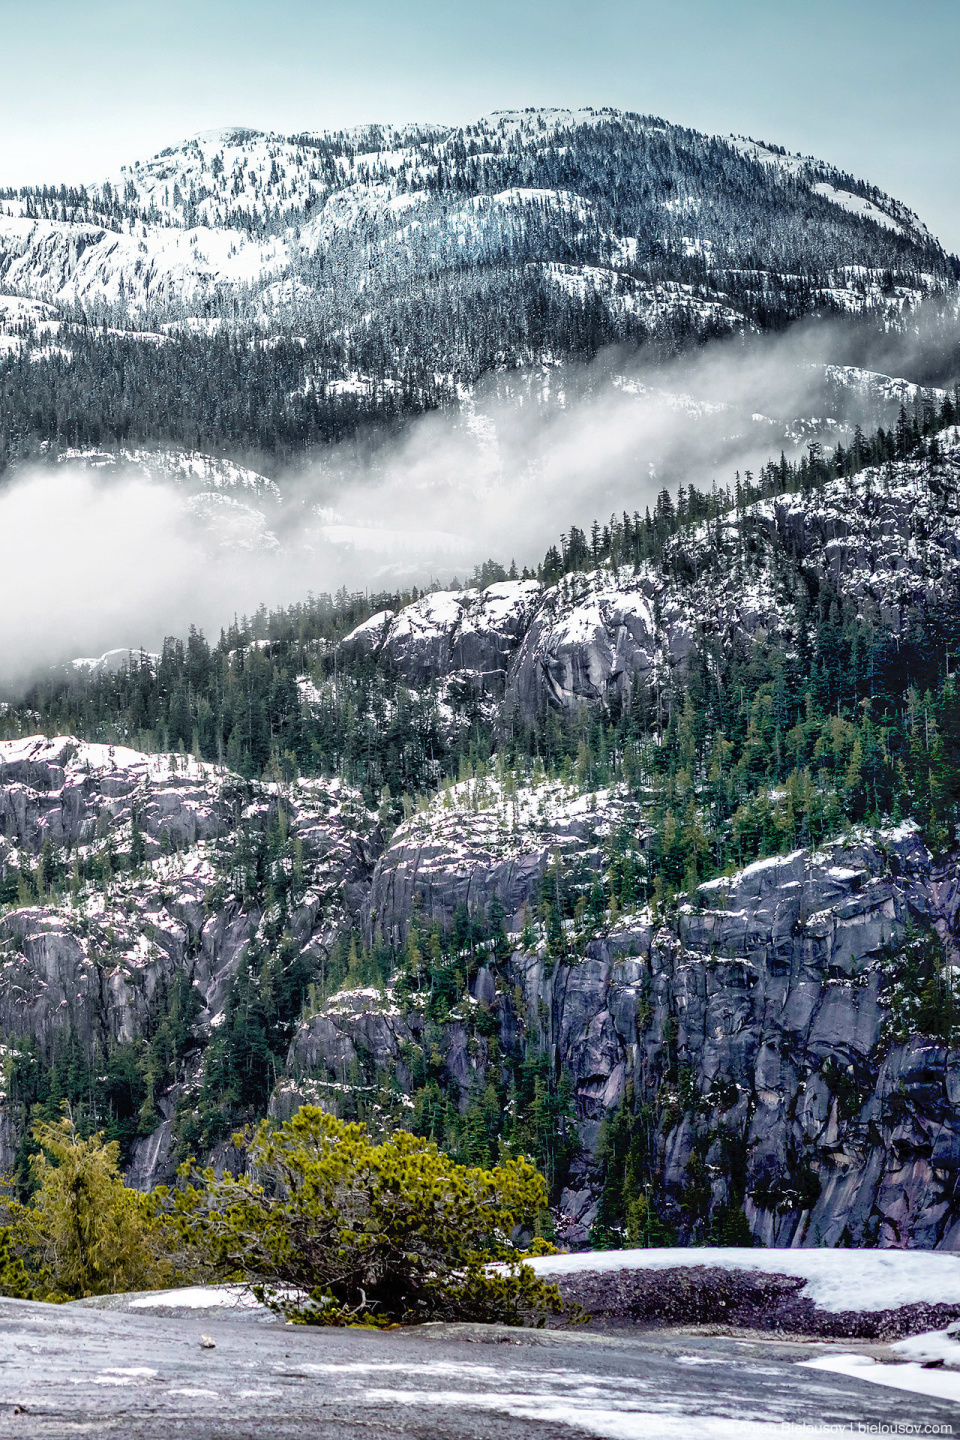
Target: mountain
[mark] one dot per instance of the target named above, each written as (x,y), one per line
(646,865)
(287,289)
(645,216)
(643,860)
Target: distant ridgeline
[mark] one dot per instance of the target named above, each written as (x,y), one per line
(834,714)
(287,289)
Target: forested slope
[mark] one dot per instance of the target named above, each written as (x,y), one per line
(496,864)
(260,294)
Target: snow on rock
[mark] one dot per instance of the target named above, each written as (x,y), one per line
(66,263)
(229,502)
(110,661)
(888,388)
(914,1377)
(191,470)
(887,538)
(623,295)
(836,1280)
(867,201)
(483,840)
(941,1346)
(199,1297)
(470,634)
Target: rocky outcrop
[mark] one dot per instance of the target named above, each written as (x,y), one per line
(767,1034)
(489,840)
(90,969)
(591,637)
(763,1030)
(71,793)
(469,634)
(888,539)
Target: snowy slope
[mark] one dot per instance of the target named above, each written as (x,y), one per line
(842,190)
(234,212)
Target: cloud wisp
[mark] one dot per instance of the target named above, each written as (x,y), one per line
(102,560)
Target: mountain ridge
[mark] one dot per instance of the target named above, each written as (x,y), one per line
(295,291)
(239,181)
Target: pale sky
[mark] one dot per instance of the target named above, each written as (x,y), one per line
(869,85)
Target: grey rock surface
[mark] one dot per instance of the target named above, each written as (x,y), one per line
(595,637)
(66,1370)
(484,840)
(755,1023)
(468,634)
(95,965)
(760,1023)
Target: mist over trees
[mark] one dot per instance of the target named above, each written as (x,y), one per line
(413,263)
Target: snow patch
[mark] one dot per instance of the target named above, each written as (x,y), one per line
(940,1384)
(837,1280)
(199,1297)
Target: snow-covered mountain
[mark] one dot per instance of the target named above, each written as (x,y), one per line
(263,297)
(636,216)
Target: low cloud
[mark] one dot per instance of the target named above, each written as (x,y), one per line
(101,560)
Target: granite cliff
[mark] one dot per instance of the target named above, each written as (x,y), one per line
(532,958)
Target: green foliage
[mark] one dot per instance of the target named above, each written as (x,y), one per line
(368,1233)
(628,1210)
(630,539)
(15,1281)
(729,1226)
(523,1105)
(921,991)
(763,750)
(644,1228)
(112,1090)
(83,1232)
(850,1090)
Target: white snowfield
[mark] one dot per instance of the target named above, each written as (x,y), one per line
(589,1403)
(943,1384)
(837,1280)
(199,1297)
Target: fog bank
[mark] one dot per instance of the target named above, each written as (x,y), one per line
(96,560)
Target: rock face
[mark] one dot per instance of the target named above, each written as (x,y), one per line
(470,635)
(90,970)
(61,790)
(589,639)
(781,1047)
(888,539)
(482,841)
(767,1031)
(782,990)
(762,1026)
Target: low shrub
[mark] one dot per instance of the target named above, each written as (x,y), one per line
(83,1232)
(331,1228)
